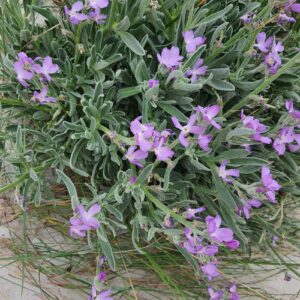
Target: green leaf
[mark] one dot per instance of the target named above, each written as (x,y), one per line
(47,14)
(131,42)
(216,16)
(173,111)
(231,154)
(127,92)
(221,85)
(145,173)
(70,187)
(106,247)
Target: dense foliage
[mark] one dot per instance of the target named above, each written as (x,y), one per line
(174,118)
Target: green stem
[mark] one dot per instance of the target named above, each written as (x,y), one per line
(13,102)
(263,85)
(112,14)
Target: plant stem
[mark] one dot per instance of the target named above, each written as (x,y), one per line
(112,14)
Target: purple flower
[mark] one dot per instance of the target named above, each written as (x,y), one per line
(289,104)
(263,43)
(23,68)
(187,129)
(162,152)
(102,276)
(248,18)
(42,96)
(204,140)
(223,173)
(87,217)
(295,148)
(132,180)
(152,83)
(170,57)
(101,261)
(142,133)
(218,295)
(210,270)
(257,127)
(192,42)
(96,4)
(246,208)
(208,113)
(75,14)
(272,59)
(292,6)
(275,238)
(168,222)
(77,227)
(270,185)
(216,233)
(286,136)
(47,68)
(135,156)
(283,19)
(104,295)
(197,71)
(97,16)
(233,294)
(232,245)
(191,212)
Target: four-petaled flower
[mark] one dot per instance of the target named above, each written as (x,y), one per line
(75,14)
(170,57)
(246,208)
(135,156)
(87,217)
(218,295)
(210,270)
(270,186)
(262,42)
(223,173)
(191,41)
(197,71)
(162,152)
(23,69)
(77,227)
(286,136)
(208,113)
(98,3)
(216,233)
(42,96)
(97,16)
(46,69)
(191,212)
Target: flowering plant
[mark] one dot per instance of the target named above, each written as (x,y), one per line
(178,118)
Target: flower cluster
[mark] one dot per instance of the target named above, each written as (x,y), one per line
(76,15)
(148,140)
(206,248)
(27,68)
(84,220)
(97,294)
(270,51)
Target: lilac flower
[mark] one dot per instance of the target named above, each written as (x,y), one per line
(232,245)
(23,68)
(210,250)
(208,113)
(97,4)
(135,156)
(283,19)
(292,6)
(75,14)
(162,152)
(191,41)
(295,148)
(216,233)
(142,133)
(290,107)
(104,295)
(193,244)
(263,43)
(42,96)
(101,260)
(97,16)
(132,180)
(87,217)
(275,238)
(246,208)
(191,212)
(272,59)
(223,173)
(270,185)
(197,71)
(286,136)
(210,270)
(257,127)
(170,57)
(102,276)
(152,83)
(248,18)
(233,294)
(187,129)
(47,68)
(204,139)
(77,227)
(218,295)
